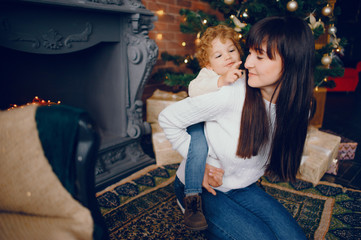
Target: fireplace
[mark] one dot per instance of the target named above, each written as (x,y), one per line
(91,54)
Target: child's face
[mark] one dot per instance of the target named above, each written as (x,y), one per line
(222,56)
(263,72)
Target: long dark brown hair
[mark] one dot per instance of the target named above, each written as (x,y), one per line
(292,39)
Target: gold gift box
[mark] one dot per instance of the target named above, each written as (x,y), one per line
(320,150)
(164,153)
(160,100)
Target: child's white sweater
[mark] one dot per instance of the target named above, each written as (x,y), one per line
(221,110)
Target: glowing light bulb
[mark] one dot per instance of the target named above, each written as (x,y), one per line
(205,21)
(159,36)
(160,12)
(184,44)
(186,60)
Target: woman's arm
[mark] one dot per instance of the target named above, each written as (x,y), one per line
(177,117)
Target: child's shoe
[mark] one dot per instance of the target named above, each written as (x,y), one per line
(193,215)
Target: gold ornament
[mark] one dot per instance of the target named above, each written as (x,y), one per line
(326,60)
(292,6)
(228,2)
(326,11)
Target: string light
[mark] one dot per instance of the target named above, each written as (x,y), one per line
(245,14)
(159,36)
(36,100)
(184,44)
(204,21)
(186,60)
(160,12)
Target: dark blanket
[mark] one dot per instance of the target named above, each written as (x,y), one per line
(57,127)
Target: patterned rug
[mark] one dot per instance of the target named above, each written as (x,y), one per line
(143,206)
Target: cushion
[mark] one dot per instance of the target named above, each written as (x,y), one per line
(33,203)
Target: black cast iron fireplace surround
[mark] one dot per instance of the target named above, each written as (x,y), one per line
(91,54)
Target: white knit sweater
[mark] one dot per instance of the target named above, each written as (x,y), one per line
(221,110)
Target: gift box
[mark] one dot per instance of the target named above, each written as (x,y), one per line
(320,150)
(333,168)
(347,147)
(160,100)
(163,151)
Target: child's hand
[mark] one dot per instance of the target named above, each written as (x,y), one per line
(213,177)
(231,75)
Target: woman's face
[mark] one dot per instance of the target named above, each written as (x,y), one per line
(222,56)
(263,72)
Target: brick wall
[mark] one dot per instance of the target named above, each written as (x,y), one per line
(167,32)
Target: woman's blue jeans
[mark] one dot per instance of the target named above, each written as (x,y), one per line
(196,159)
(248,213)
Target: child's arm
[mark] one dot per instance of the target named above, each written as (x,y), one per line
(209,81)
(205,82)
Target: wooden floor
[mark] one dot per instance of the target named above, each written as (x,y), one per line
(342,116)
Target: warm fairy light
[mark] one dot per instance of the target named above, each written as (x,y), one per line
(184,44)
(36,100)
(159,36)
(232,16)
(186,60)
(316,88)
(160,12)
(245,14)
(197,41)
(240,36)
(205,21)
(325,79)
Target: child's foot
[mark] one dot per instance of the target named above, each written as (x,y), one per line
(193,215)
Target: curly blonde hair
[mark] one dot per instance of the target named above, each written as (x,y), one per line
(221,31)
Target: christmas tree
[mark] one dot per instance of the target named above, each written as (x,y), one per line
(241,15)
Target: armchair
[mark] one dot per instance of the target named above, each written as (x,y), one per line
(47,185)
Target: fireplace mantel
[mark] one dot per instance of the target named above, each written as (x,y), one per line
(92,54)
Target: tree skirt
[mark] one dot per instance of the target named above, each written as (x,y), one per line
(143,206)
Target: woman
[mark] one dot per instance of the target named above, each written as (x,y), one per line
(252,127)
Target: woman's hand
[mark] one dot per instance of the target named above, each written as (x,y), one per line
(213,177)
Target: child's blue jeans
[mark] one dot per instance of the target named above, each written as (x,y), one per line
(196,159)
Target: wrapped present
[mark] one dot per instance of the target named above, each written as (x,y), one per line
(320,150)
(164,153)
(347,150)
(333,168)
(160,100)
(347,147)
